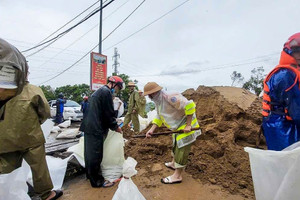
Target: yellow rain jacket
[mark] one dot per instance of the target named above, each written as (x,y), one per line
(172,110)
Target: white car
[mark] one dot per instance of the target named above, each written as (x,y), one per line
(72,110)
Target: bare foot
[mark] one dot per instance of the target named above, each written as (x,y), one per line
(170,165)
(55,194)
(51,195)
(170,180)
(175,178)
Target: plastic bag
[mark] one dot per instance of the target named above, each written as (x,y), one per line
(78,151)
(68,133)
(47,126)
(129,167)
(113,156)
(65,124)
(55,129)
(143,123)
(127,190)
(13,185)
(275,174)
(151,115)
(57,169)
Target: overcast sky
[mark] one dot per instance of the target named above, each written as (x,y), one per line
(200,43)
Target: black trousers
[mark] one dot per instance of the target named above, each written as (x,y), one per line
(93,154)
(59,118)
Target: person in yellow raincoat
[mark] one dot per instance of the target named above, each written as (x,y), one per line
(133,111)
(23,109)
(176,113)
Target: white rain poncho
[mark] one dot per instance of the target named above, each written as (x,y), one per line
(118,107)
(172,110)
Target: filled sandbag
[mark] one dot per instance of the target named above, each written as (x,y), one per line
(65,124)
(68,133)
(113,156)
(275,174)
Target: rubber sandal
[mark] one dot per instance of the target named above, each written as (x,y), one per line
(58,193)
(168,180)
(107,184)
(167,164)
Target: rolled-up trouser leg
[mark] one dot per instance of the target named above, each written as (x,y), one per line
(181,155)
(10,161)
(36,158)
(136,123)
(93,154)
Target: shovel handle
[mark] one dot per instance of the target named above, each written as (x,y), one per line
(164,133)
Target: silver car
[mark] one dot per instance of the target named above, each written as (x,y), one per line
(72,110)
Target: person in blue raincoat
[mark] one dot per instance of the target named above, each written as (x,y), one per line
(60,108)
(281,98)
(84,104)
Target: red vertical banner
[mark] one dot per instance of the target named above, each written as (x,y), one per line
(98,70)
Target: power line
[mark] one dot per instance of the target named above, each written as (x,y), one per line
(195,71)
(147,25)
(234,63)
(200,70)
(69,21)
(70,66)
(65,49)
(124,20)
(223,66)
(95,46)
(115,10)
(130,71)
(262,58)
(49,60)
(55,38)
(130,66)
(52,40)
(50,49)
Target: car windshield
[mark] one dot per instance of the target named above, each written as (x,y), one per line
(71,103)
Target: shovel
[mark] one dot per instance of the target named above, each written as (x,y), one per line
(164,133)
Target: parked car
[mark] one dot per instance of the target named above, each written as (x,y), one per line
(71,110)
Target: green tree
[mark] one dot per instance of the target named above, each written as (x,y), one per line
(49,92)
(124,94)
(75,92)
(236,77)
(256,81)
(150,106)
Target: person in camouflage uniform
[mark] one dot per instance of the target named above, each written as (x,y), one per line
(133,110)
(142,104)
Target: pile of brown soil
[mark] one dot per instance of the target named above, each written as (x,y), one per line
(217,157)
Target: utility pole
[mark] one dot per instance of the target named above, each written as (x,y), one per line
(100,29)
(116,63)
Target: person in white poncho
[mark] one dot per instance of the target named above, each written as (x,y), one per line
(176,113)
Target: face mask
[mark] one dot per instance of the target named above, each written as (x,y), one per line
(155,97)
(7,93)
(112,90)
